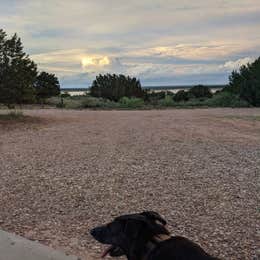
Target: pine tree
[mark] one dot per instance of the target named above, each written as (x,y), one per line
(2,62)
(246,83)
(18,72)
(46,85)
(114,87)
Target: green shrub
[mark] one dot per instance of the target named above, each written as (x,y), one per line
(226,99)
(181,95)
(200,91)
(71,103)
(155,97)
(167,101)
(65,94)
(126,102)
(92,102)
(53,101)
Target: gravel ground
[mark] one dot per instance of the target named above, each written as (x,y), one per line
(71,170)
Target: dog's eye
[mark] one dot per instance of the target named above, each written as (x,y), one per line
(113,228)
(110,227)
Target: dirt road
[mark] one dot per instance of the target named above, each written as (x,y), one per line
(72,170)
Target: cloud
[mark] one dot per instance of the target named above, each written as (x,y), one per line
(234,65)
(205,51)
(94,61)
(169,40)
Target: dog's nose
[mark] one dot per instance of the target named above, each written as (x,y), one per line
(95,231)
(92,232)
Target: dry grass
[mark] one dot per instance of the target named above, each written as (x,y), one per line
(15,119)
(12,115)
(81,168)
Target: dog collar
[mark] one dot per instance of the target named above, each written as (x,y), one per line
(151,245)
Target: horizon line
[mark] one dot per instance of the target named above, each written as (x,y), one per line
(158,86)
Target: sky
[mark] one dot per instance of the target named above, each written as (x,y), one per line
(161,42)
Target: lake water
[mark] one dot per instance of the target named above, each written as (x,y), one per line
(173,90)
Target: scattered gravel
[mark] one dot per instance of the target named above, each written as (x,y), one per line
(76,169)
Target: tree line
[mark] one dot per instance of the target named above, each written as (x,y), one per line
(244,84)
(20,81)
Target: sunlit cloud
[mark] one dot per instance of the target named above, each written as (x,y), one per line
(94,61)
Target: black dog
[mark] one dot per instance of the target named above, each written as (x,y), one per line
(143,236)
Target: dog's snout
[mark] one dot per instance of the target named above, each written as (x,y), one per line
(95,232)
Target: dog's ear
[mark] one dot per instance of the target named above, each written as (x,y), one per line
(138,217)
(149,218)
(154,216)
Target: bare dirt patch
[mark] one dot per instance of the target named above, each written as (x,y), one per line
(199,168)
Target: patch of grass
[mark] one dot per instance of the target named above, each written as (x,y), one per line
(131,103)
(16,119)
(12,115)
(221,99)
(256,118)
(80,102)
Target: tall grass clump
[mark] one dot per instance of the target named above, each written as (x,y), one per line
(133,102)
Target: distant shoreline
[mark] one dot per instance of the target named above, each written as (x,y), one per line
(173,89)
(213,86)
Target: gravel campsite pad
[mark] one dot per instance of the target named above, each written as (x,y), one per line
(76,169)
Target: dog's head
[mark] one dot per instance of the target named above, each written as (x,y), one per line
(128,234)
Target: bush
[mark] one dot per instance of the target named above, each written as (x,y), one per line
(91,102)
(114,87)
(200,91)
(167,101)
(226,99)
(61,102)
(154,97)
(126,102)
(65,94)
(181,95)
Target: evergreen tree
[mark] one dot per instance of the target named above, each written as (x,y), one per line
(200,91)
(46,85)
(114,87)
(246,83)
(18,72)
(3,65)
(181,95)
